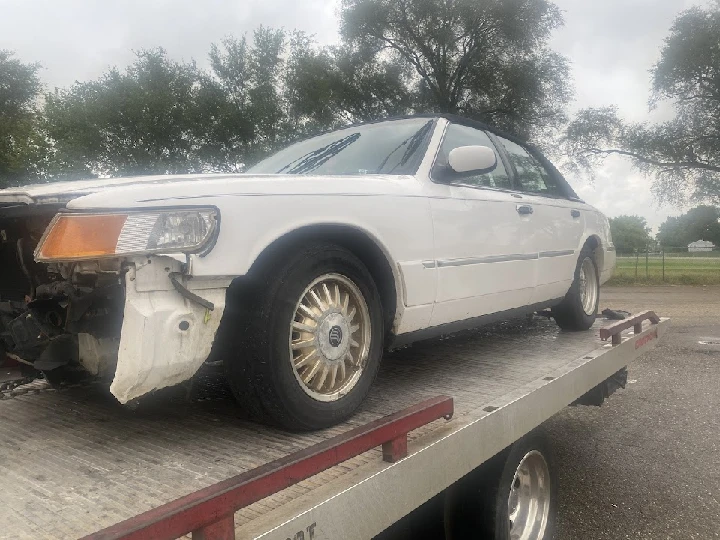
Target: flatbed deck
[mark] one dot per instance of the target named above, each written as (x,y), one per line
(74,461)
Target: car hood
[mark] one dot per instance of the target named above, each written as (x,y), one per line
(149,190)
(62,192)
(189,190)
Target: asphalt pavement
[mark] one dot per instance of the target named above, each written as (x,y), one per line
(646,465)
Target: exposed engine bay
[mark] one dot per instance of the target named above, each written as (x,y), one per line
(56,318)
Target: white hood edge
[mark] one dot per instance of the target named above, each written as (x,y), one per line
(62,192)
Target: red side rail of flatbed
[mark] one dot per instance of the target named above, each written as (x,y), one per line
(209,513)
(615,330)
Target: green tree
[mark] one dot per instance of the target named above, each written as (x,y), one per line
(629,233)
(486,59)
(23,147)
(339,85)
(288,87)
(682,154)
(262,91)
(156,117)
(700,223)
(251,74)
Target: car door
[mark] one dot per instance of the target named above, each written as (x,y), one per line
(485,263)
(559,223)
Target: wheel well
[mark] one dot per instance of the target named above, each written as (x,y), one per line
(354,240)
(594,244)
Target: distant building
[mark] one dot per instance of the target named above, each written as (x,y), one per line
(701,245)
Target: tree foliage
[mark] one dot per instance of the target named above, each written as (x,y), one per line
(343,84)
(251,74)
(161,116)
(683,154)
(700,223)
(629,233)
(22,143)
(153,118)
(486,59)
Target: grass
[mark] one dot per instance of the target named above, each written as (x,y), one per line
(678,271)
(691,254)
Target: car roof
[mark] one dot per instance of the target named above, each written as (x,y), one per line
(454,118)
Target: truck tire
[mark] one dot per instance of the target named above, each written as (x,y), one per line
(513,495)
(309,339)
(579,308)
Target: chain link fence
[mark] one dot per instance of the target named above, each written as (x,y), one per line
(668,264)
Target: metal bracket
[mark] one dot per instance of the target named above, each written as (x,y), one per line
(615,330)
(179,287)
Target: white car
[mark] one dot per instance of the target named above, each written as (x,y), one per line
(300,272)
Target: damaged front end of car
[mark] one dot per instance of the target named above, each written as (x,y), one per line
(109,295)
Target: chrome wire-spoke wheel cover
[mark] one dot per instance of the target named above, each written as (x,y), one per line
(529,500)
(330,337)
(588,286)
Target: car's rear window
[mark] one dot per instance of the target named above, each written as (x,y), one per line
(391,147)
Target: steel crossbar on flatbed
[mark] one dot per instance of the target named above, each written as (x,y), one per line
(75,462)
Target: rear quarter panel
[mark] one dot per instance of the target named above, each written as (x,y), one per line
(597,225)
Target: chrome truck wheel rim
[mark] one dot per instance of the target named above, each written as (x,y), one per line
(529,501)
(330,337)
(588,286)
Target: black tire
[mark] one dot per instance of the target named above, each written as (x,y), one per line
(258,366)
(480,502)
(570,314)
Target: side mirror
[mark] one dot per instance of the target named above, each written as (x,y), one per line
(480,159)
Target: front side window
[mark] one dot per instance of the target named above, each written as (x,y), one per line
(458,135)
(392,147)
(532,176)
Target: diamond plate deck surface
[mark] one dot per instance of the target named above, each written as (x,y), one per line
(74,461)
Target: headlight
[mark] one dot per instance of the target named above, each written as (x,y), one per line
(90,236)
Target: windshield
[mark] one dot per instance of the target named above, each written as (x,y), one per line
(392,147)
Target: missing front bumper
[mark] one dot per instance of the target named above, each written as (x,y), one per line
(165,336)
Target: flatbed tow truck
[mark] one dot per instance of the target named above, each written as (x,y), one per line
(445,421)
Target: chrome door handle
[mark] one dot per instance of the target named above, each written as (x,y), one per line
(575,213)
(524,209)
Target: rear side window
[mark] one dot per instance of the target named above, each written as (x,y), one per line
(532,176)
(458,135)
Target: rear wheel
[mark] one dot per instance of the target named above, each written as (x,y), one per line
(579,308)
(511,497)
(309,340)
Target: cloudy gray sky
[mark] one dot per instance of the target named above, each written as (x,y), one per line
(612,45)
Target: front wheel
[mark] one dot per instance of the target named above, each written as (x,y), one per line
(312,341)
(579,308)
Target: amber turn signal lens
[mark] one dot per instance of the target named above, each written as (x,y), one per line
(74,236)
